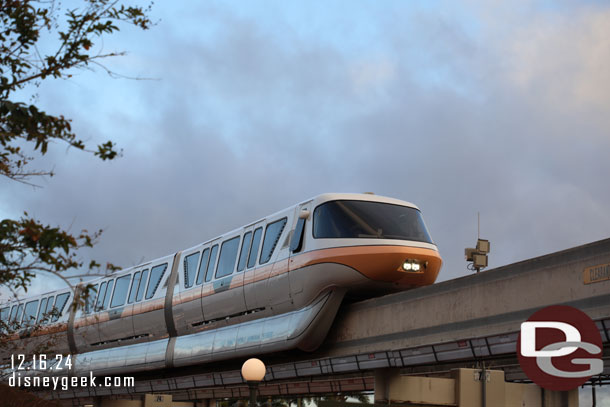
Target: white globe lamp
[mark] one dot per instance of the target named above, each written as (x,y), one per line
(253,371)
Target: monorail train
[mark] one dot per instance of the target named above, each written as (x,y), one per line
(273,285)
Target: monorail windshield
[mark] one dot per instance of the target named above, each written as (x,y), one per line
(370,220)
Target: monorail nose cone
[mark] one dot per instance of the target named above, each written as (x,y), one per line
(253,370)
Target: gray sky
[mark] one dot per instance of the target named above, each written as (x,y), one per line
(502,110)
(250,107)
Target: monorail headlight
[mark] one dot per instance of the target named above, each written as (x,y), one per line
(413,265)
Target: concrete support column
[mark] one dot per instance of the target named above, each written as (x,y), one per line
(391,387)
(383,377)
(475,388)
(121,403)
(157,400)
(559,398)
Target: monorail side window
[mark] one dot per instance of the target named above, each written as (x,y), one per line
(297,239)
(156,273)
(256,242)
(50,305)
(41,310)
(368,220)
(203,266)
(90,299)
(60,304)
(228,257)
(134,287)
(142,285)
(190,269)
(106,295)
(100,296)
(210,270)
(19,313)
(13,313)
(120,291)
(29,317)
(4,314)
(272,236)
(245,248)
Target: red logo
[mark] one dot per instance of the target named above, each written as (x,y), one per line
(559,348)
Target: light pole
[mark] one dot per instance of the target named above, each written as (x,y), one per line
(253,371)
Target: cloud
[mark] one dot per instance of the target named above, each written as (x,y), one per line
(498,111)
(370,75)
(565,58)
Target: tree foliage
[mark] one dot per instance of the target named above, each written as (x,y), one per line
(29,54)
(40,40)
(12,397)
(29,246)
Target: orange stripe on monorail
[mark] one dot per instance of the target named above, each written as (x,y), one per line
(380,263)
(129,310)
(45,330)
